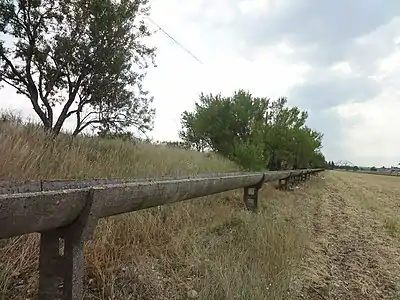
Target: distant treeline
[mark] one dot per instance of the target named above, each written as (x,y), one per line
(256,133)
(331,165)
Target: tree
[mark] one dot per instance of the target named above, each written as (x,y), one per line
(283,134)
(331,165)
(85,56)
(373,169)
(229,126)
(257,133)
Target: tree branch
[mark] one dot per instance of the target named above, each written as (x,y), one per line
(87,116)
(16,87)
(81,104)
(71,98)
(44,97)
(13,68)
(52,83)
(30,84)
(32,96)
(96,121)
(81,128)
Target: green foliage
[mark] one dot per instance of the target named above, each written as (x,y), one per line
(85,56)
(229,126)
(254,132)
(373,169)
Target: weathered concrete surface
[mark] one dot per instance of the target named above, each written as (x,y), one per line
(32,186)
(38,211)
(41,211)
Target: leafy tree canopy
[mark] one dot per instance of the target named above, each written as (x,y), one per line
(86,57)
(255,132)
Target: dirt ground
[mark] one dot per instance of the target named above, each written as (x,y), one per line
(354,249)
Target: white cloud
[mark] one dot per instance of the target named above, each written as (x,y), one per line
(343,67)
(367,129)
(373,137)
(255,6)
(179,78)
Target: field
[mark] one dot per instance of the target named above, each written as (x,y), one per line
(354,247)
(334,237)
(374,172)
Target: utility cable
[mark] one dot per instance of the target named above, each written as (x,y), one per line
(174,40)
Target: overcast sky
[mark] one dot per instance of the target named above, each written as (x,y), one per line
(337,59)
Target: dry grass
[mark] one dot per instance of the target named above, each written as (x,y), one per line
(206,249)
(355,248)
(336,237)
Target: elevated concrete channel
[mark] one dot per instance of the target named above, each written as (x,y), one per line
(68,211)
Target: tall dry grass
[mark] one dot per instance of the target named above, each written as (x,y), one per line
(209,248)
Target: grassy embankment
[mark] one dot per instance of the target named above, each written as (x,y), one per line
(206,249)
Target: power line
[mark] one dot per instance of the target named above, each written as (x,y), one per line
(174,40)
